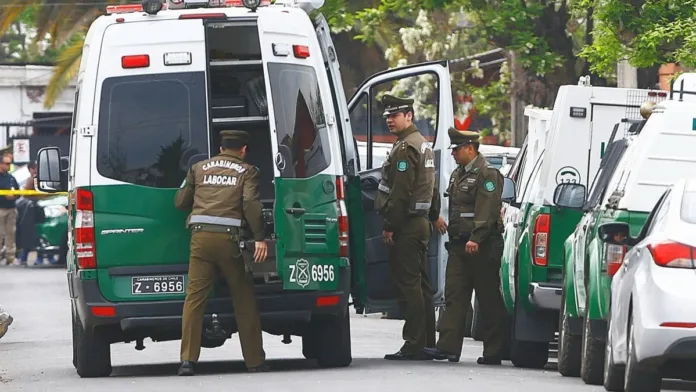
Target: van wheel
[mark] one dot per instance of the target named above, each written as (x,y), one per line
(639,378)
(477,326)
(92,352)
(613,374)
(330,345)
(569,346)
(592,367)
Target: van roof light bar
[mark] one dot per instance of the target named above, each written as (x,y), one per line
(305,5)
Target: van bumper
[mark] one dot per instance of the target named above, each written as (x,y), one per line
(280,311)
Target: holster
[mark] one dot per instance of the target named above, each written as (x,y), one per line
(247,253)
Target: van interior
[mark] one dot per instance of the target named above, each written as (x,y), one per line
(238,102)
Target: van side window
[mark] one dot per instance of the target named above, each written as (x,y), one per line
(375,135)
(150,126)
(73,137)
(301,128)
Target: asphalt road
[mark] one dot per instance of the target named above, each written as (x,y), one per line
(36,355)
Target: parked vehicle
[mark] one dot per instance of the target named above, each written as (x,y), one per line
(651,329)
(570,151)
(658,152)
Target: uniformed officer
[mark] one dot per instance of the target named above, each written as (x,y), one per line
(408,203)
(475,251)
(222,193)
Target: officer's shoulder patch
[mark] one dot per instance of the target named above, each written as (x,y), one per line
(402,166)
(489,186)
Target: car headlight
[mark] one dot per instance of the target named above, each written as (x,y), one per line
(54,211)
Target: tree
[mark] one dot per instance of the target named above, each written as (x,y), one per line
(545,36)
(64,24)
(646,33)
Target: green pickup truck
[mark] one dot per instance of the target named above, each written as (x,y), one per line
(633,174)
(564,146)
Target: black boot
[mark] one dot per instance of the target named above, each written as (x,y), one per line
(402,355)
(489,360)
(186,369)
(259,369)
(437,354)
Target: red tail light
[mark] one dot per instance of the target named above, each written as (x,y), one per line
(136,61)
(678,325)
(342,217)
(542,227)
(85,247)
(613,258)
(301,51)
(672,254)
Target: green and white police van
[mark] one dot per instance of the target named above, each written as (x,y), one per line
(636,171)
(567,148)
(156,84)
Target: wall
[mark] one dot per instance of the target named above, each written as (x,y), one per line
(22,89)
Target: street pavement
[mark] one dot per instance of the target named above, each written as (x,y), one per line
(36,355)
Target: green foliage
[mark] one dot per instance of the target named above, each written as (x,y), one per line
(647,33)
(21,44)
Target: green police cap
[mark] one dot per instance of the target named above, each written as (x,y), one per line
(394,104)
(241,136)
(461,138)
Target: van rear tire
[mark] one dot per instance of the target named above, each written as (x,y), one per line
(91,351)
(328,340)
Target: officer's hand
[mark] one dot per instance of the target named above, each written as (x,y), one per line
(440,225)
(387,237)
(471,247)
(260,251)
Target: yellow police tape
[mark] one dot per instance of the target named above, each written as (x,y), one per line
(23,192)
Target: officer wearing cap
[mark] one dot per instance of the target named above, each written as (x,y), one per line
(407,200)
(222,193)
(475,250)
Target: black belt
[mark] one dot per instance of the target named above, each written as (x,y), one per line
(459,238)
(214,228)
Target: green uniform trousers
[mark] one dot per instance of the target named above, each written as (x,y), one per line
(408,264)
(465,273)
(212,253)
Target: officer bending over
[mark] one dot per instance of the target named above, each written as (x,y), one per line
(222,191)
(406,199)
(475,251)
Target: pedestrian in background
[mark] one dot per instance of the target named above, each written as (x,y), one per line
(8,210)
(475,251)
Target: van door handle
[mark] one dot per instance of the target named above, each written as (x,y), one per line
(295,211)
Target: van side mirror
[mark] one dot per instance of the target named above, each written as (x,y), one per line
(509,195)
(570,195)
(49,176)
(616,233)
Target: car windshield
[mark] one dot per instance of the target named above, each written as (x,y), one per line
(496,162)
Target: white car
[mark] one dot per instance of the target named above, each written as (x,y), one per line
(652,323)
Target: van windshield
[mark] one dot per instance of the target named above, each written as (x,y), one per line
(152,128)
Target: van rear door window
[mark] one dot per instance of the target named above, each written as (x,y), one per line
(303,139)
(152,127)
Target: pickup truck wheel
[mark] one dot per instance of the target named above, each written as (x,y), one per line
(569,346)
(92,352)
(613,374)
(333,348)
(478,329)
(592,367)
(639,378)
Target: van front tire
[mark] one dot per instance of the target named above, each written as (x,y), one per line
(328,340)
(91,352)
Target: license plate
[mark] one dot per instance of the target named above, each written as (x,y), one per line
(171,284)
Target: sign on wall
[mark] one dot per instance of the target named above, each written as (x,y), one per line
(20,150)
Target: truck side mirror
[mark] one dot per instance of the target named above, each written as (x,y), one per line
(48,173)
(509,195)
(570,195)
(616,233)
